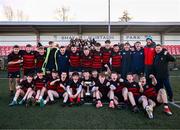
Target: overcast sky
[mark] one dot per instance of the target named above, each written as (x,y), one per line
(96,10)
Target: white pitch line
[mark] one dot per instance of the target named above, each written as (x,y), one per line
(175,76)
(174,104)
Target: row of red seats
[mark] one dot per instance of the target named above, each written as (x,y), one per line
(172,49)
(5,50)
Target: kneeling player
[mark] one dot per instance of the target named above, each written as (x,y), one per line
(52,84)
(40,86)
(153,97)
(61,88)
(87,84)
(74,88)
(23,89)
(102,88)
(117,90)
(133,92)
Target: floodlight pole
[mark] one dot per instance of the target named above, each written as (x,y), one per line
(109,19)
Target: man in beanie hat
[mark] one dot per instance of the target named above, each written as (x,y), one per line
(149,53)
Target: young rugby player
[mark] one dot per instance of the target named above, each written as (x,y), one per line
(97,58)
(102,89)
(74,59)
(119,93)
(14,61)
(87,84)
(61,89)
(116,59)
(74,88)
(106,54)
(40,84)
(152,97)
(133,92)
(28,56)
(86,59)
(23,89)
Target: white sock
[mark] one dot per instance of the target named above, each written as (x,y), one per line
(14,99)
(45,102)
(40,97)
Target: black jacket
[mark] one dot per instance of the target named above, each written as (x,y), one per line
(160,65)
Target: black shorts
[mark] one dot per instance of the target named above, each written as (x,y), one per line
(154,98)
(29,71)
(119,96)
(14,74)
(61,94)
(136,98)
(104,95)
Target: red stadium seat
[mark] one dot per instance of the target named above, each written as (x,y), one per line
(5,50)
(169,49)
(173,49)
(178,49)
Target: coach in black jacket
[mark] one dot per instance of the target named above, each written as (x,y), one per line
(161,60)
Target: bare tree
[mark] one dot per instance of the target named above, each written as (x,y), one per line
(9,13)
(12,14)
(125,17)
(21,16)
(62,14)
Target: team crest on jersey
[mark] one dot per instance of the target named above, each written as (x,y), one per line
(124,53)
(66,56)
(141,53)
(134,85)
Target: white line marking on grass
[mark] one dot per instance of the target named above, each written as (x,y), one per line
(177,101)
(174,104)
(173,76)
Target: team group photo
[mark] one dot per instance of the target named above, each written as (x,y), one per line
(88,75)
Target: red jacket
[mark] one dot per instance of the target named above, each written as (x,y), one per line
(149,54)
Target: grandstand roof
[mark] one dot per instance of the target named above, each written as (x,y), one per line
(88,27)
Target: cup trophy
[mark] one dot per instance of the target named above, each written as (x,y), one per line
(87,84)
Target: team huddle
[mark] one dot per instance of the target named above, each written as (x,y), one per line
(124,76)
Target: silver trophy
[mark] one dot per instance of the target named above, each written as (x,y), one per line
(88,84)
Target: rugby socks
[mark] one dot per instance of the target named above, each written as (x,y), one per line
(71,99)
(78,99)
